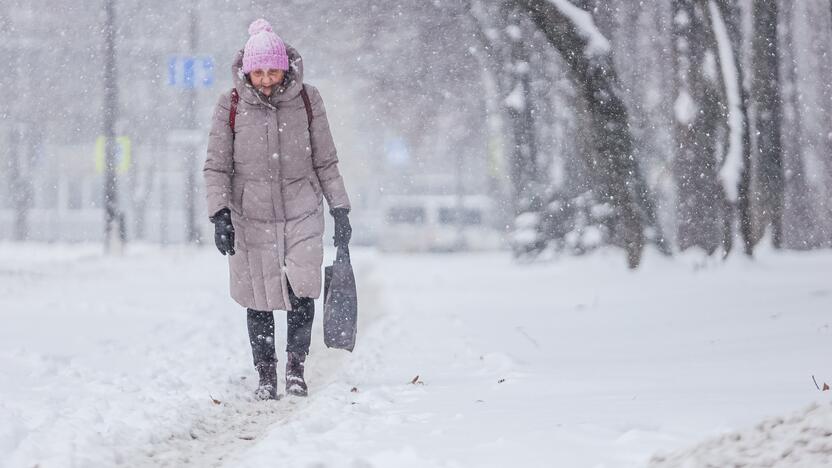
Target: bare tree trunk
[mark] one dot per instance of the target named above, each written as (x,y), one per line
(192,233)
(143,177)
(733,15)
(768,105)
(697,111)
(616,172)
(639,118)
(114,228)
(661,122)
(494,84)
(799,225)
(19,186)
(821,50)
(18,176)
(519,105)
(729,12)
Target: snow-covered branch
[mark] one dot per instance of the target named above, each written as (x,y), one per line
(597,43)
(731,171)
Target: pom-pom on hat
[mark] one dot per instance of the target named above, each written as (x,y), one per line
(264,49)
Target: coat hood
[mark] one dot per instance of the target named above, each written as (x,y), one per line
(292,83)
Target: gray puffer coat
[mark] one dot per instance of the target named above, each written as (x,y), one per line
(272,173)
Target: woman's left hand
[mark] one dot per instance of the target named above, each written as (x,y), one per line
(343,230)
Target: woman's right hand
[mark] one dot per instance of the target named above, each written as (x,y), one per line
(223,231)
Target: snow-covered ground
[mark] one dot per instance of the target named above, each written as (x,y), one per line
(575,363)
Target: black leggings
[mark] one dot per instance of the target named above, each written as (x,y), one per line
(298,329)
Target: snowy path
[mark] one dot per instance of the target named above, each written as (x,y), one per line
(579,363)
(236,424)
(114,361)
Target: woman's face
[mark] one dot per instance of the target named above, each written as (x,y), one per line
(266,80)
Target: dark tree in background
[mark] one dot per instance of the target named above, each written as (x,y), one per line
(799,228)
(698,112)
(820,188)
(615,172)
(24,136)
(735,173)
(519,104)
(22,156)
(768,112)
(115,231)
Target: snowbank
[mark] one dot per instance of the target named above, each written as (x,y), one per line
(803,439)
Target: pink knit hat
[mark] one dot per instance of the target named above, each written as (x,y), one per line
(264,49)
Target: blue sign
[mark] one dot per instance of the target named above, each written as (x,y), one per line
(191,72)
(397,151)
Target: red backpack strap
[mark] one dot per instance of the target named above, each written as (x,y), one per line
(232,112)
(308,104)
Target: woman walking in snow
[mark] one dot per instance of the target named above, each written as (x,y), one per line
(271,161)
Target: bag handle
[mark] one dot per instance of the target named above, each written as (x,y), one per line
(343,254)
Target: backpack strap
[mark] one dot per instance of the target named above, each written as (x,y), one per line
(308,104)
(232,112)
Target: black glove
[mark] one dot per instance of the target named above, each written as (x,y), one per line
(343,230)
(223,231)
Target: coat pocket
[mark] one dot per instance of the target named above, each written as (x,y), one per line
(301,198)
(261,234)
(257,200)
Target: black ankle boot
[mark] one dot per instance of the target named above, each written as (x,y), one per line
(267,389)
(261,337)
(295,385)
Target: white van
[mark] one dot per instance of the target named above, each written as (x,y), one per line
(424,223)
